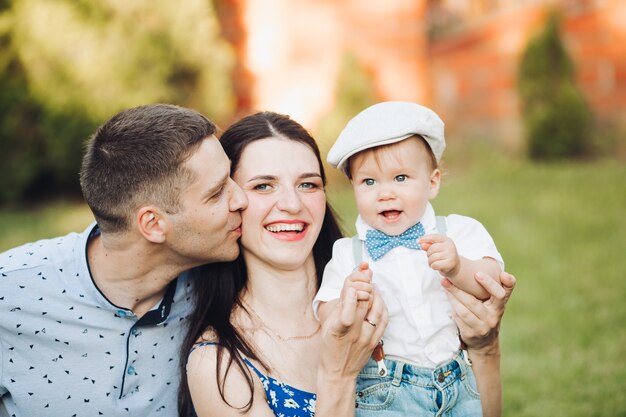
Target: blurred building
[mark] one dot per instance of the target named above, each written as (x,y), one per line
(458,56)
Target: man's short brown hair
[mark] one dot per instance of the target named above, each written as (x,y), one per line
(137,157)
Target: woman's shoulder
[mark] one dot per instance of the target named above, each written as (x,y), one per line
(207,340)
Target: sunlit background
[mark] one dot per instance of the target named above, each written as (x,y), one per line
(533,94)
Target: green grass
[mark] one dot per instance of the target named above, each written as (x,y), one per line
(55,219)
(561,229)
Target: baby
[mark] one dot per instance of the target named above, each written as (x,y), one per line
(390,152)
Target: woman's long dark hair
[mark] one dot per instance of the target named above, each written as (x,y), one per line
(217,287)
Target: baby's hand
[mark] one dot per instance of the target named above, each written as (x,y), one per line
(361,281)
(442,254)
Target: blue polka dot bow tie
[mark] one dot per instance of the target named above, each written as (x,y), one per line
(379,243)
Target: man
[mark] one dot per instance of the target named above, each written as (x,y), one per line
(91,323)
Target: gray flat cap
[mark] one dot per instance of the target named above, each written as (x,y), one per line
(385,123)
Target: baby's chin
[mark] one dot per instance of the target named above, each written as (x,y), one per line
(394,228)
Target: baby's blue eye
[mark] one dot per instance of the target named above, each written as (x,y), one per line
(369,181)
(400,178)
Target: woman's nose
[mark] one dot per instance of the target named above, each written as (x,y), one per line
(289,200)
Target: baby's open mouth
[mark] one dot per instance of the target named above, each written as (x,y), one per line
(390,214)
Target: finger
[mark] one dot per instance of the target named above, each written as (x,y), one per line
(508,281)
(469,324)
(347,313)
(464,303)
(432,238)
(362,286)
(358,275)
(440,256)
(363,296)
(435,249)
(363,266)
(491,286)
(377,314)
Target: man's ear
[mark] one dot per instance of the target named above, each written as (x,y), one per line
(152,224)
(435,182)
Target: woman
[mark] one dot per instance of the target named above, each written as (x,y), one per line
(253,333)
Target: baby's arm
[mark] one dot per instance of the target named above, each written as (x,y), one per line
(361,281)
(443,257)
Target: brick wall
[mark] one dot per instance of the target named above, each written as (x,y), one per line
(474,72)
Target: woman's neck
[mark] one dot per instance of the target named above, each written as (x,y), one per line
(279,294)
(277,317)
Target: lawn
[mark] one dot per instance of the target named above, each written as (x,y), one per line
(561,229)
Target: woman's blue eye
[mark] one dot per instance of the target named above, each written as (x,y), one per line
(369,181)
(308,185)
(400,178)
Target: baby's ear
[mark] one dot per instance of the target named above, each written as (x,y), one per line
(435,182)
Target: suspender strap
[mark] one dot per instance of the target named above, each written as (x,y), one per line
(442,226)
(357,250)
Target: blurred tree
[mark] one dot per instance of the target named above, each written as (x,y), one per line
(67,65)
(558,123)
(113,54)
(353,93)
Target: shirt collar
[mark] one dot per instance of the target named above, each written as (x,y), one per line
(155,316)
(428,220)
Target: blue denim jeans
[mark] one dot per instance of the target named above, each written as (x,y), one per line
(408,390)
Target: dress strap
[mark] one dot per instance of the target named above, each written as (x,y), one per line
(245,359)
(199,345)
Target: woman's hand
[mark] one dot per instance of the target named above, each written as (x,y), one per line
(479,321)
(347,338)
(347,343)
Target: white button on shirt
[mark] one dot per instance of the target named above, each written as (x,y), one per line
(420,330)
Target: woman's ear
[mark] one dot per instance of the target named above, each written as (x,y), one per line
(435,182)
(151,224)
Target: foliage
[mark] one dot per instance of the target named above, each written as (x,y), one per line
(67,65)
(558,122)
(113,54)
(353,92)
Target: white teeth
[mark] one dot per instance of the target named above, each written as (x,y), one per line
(285,227)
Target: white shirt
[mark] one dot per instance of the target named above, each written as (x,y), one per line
(420,330)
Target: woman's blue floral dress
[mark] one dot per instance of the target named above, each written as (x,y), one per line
(283,399)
